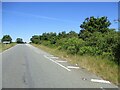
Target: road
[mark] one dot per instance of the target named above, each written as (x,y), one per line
(25,66)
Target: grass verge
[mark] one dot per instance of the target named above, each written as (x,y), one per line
(6,46)
(104,68)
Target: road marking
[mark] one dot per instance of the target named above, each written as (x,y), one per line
(60,61)
(102,88)
(7,49)
(54,57)
(73,67)
(100,81)
(57,63)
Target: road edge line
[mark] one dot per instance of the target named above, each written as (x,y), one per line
(57,63)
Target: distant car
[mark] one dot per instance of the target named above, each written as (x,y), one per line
(6,42)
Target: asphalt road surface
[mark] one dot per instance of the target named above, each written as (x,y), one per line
(25,66)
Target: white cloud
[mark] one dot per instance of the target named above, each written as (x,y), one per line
(39,16)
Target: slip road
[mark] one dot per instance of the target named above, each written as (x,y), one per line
(25,66)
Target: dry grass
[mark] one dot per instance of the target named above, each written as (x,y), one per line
(6,46)
(101,67)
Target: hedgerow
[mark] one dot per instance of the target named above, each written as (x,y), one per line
(95,38)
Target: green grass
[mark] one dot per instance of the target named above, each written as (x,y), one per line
(6,46)
(104,68)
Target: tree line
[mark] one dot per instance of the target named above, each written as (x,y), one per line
(7,39)
(95,38)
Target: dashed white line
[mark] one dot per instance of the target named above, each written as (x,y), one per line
(60,61)
(73,67)
(54,57)
(57,63)
(102,88)
(100,81)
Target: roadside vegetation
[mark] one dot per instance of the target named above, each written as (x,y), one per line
(96,47)
(6,46)
(6,43)
(102,67)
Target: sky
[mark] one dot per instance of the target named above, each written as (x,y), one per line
(25,19)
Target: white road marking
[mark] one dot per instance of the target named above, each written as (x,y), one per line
(60,61)
(100,81)
(102,88)
(54,57)
(73,67)
(57,63)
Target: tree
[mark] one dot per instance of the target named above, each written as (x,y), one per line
(19,40)
(62,34)
(72,34)
(35,39)
(7,38)
(92,24)
(116,50)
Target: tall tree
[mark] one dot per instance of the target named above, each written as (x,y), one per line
(19,40)
(72,34)
(35,39)
(92,24)
(62,34)
(7,38)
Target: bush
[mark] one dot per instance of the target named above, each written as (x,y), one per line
(116,52)
(95,38)
(72,50)
(89,50)
(72,45)
(107,55)
(46,43)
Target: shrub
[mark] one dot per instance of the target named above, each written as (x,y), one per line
(108,55)
(72,50)
(72,45)
(46,43)
(89,50)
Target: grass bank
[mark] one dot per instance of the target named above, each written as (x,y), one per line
(6,46)
(104,68)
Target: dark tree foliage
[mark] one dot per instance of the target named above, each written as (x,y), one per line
(92,24)
(7,38)
(72,34)
(19,40)
(116,50)
(62,34)
(35,39)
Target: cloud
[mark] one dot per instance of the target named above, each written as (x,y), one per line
(39,16)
